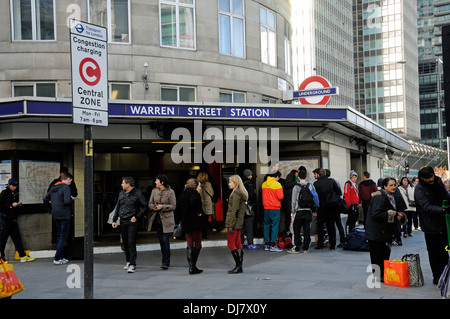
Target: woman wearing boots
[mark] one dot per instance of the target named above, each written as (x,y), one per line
(189,210)
(235,220)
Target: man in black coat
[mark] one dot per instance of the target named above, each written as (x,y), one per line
(428,195)
(9,206)
(325,188)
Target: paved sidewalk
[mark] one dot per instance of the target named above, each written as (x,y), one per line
(321,274)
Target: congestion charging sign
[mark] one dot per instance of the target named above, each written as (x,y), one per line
(89,56)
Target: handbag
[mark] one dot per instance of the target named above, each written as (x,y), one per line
(340,203)
(415,270)
(396,273)
(178,231)
(249,210)
(9,283)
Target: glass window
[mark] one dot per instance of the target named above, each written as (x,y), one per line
(268,36)
(45,89)
(120,91)
(174,93)
(113,15)
(232,97)
(23,90)
(33,20)
(231,27)
(34,89)
(287,48)
(177,23)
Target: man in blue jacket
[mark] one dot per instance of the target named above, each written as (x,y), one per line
(61,207)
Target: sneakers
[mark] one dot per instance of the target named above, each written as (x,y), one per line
(60,262)
(26,258)
(293,251)
(266,247)
(275,248)
(129,268)
(252,246)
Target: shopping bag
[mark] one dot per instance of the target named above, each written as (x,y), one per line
(396,273)
(9,283)
(415,270)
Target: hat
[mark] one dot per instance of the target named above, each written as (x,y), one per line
(353,173)
(13,181)
(247,172)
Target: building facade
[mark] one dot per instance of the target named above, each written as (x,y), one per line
(385,43)
(178,71)
(432,15)
(323,45)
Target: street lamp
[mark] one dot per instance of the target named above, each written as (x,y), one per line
(376,87)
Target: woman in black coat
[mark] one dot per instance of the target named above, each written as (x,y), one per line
(382,218)
(189,210)
(428,195)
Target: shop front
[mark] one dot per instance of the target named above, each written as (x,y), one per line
(143,140)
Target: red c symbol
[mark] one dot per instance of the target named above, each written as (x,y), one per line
(90,71)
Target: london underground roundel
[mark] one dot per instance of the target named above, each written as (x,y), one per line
(316,90)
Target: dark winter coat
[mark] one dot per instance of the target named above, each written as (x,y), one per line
(130,204)
(365,189)
(428,200)
(325,188)
(189,207)
(7,198)
(381,220)
(59,201)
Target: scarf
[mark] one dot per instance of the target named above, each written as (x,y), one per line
(391,198)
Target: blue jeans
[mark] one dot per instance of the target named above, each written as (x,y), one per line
(62,228)
(271,224)
(165,246)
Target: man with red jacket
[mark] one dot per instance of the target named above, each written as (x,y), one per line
(365,190)
(272,194)
(351,198)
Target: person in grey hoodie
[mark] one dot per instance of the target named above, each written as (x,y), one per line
(61,207)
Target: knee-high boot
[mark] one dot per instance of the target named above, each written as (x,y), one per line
(190,254)
(195,254)
(237,259)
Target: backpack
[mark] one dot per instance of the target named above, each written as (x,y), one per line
(305,197)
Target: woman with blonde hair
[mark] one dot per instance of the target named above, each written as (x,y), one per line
(235,220)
